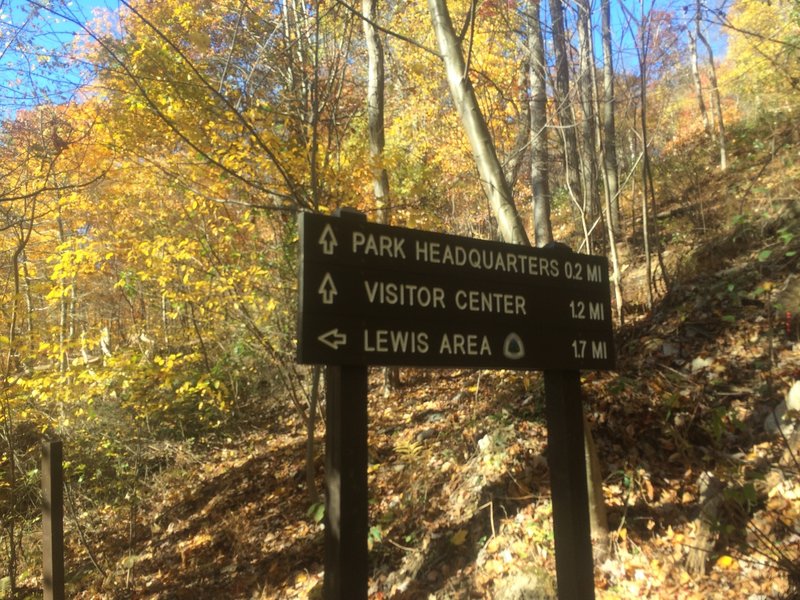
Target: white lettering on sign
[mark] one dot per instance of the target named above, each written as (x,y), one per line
(378,245)
(596,311)
(492,302)
(466,345)
(486,259)
(404,294)
(578,309)
(599,350)
(388,340)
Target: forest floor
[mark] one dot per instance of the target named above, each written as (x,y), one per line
(459,493)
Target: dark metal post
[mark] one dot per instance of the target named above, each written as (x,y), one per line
(567,463)
(53,520)
(346,519)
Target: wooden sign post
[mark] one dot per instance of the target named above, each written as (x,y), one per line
(372,294)
(53,520)
(346,521)
(567,464)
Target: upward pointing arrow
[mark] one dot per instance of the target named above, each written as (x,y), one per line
(328,240)
(327,289)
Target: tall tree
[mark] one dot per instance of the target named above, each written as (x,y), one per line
(562,98)
(609,143)
(375,107)
(489,167)
(716,100)
(377,139)
(477,132)
(655,44)
(606,133)
(643,49)
(591,207)
(694,32)
(540,185)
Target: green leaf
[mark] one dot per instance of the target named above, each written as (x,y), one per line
(316,511)
(375,533)
(764,255)
(739,219)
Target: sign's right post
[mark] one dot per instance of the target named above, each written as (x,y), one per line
(567,464)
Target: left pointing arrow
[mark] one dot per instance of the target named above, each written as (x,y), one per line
(327,289)
(333,339)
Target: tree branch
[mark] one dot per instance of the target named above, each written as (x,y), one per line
(389,32)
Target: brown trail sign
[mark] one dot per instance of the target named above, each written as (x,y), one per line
(372,294)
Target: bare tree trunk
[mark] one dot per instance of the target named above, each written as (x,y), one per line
(698,86)
(311,425)
(648,258)
(494,182)
(609,144)
(589,171)
(8,429)
(375,105)
(561,94)
(316,371)
(489,167)
(11,364)
(538,127)
(63,354)
(717,104)
(642,53)
(632,158)
(616,273)
(29,303)
(598,517)
(515,159)
(10,497)
(609,171)
(656,231)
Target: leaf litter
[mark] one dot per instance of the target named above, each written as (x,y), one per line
(459,492)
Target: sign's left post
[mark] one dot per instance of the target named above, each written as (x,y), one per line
(53,519)
(346,506)
(346,499)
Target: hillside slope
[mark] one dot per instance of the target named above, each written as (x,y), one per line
(458,475)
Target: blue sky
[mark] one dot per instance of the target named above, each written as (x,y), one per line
(32,58)
(32,69)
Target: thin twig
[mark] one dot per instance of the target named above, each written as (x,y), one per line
(490,506)
(81,533)
(406,548)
